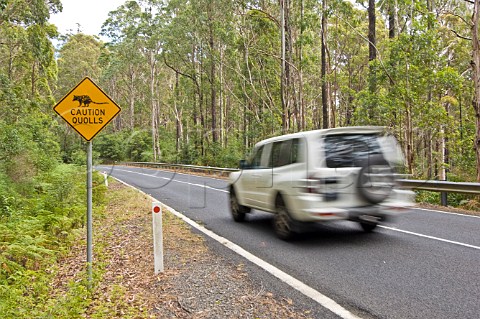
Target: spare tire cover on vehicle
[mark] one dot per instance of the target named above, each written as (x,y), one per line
(375,179)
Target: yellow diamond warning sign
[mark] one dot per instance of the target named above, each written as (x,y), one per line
(87,109)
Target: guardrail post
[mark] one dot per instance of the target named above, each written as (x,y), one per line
(444,196)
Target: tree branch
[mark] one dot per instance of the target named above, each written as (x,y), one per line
(459,17)
(461,36)
(266,14)
(177,70)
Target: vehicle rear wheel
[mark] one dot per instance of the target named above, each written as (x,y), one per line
(238,211)
(282,222)
(368,227)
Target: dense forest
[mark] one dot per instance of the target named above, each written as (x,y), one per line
(202,81)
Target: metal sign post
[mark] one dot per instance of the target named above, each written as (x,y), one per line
(89,212)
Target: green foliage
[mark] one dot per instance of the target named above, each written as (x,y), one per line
(78,157)
(111,147)
(35,228)
(180,67)
(470,202)
(71,304)
(223,157)
(138,146)
(133,146)
(427,197)
(42,202)
(78,58)
(27,147)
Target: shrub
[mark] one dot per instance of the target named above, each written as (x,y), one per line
(36,227)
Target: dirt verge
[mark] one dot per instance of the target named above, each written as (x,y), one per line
(196,283)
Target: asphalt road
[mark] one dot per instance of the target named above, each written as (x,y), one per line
(424,265)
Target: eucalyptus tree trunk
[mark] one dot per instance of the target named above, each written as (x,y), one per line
(409,147)
(325,93)
(213,90)
(392,27)
(246,100)
(222,102)
(290,84)
(131,98)
(202,102)
(286,83)
(301,111)
(476,81)
(153,102)
(372,54)
(391,21)
(178,115)
(197,102)
(282,75)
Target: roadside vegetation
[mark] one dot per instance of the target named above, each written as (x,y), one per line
(40,218)
(49,281)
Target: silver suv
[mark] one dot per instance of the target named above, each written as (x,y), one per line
(322,175)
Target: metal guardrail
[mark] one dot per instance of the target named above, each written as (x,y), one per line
(202,169)
(428,185)
(442,186)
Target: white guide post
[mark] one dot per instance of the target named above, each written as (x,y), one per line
(157,237)
(105,177)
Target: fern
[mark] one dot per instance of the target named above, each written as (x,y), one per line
(38,224)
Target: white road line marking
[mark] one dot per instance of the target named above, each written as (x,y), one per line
(449,213)
(178,173)
(173,180)
(430,237)
(308,291)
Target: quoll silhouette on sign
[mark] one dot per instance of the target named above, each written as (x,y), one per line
(85,100)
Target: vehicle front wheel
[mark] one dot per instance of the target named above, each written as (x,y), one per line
(238,211)
(282,222)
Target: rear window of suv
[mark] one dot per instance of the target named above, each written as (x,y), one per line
(350,150)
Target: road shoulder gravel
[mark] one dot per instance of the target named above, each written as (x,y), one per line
(197,282)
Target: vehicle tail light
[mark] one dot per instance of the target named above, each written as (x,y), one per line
(324,214)
(312,185)
(324,186)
